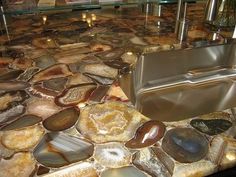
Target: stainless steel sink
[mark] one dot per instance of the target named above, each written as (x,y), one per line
(176,85)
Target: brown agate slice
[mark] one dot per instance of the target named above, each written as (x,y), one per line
(39,91)
(100,70)
(99,93)
(58,149)
(75,94)
(61,120)
(20,165)
(22,139)
(42,107)
(11,98)
(56,71)
(146,135)
(24,121)
(13,85)
(56,84)
(111,121)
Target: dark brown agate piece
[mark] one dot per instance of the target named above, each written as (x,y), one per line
(58,149)
(75,94)
(61,120)
(118,64)
(57,84)
(99,93)
(24,121)
(146,135)
(26,76)
(11,75)
(42,170)
(211,126)
(185,145)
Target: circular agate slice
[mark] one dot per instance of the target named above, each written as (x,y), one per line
(211,126)
(110,121)
(112,155)
(24,121)
(146,135)
(58,149)
(185,145)
(128,171)
(75,94)
(22,139)
(20,165)
(61,120)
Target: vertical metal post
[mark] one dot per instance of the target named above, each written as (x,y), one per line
(4,21)
(178,15)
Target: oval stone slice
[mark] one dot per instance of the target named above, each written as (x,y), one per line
(24,121)
(185,145)
(58,149)
(211,126)
(61,120)
(146,135)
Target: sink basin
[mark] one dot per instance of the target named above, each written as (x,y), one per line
(176,85)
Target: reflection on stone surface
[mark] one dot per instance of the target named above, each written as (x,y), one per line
(59,149)
(22,139)
(128,171)
(112,155)
(147,161)
(211,126)
(61,120)
(20,165)
(185,145)
(24,121)
(110,121)
(146,135)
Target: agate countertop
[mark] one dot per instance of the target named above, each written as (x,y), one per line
(62,112)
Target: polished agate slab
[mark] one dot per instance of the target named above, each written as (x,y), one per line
(185,145)
(58,149)
(112,155)
(61,120)
(147,134)
(211,126)
(110,121)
